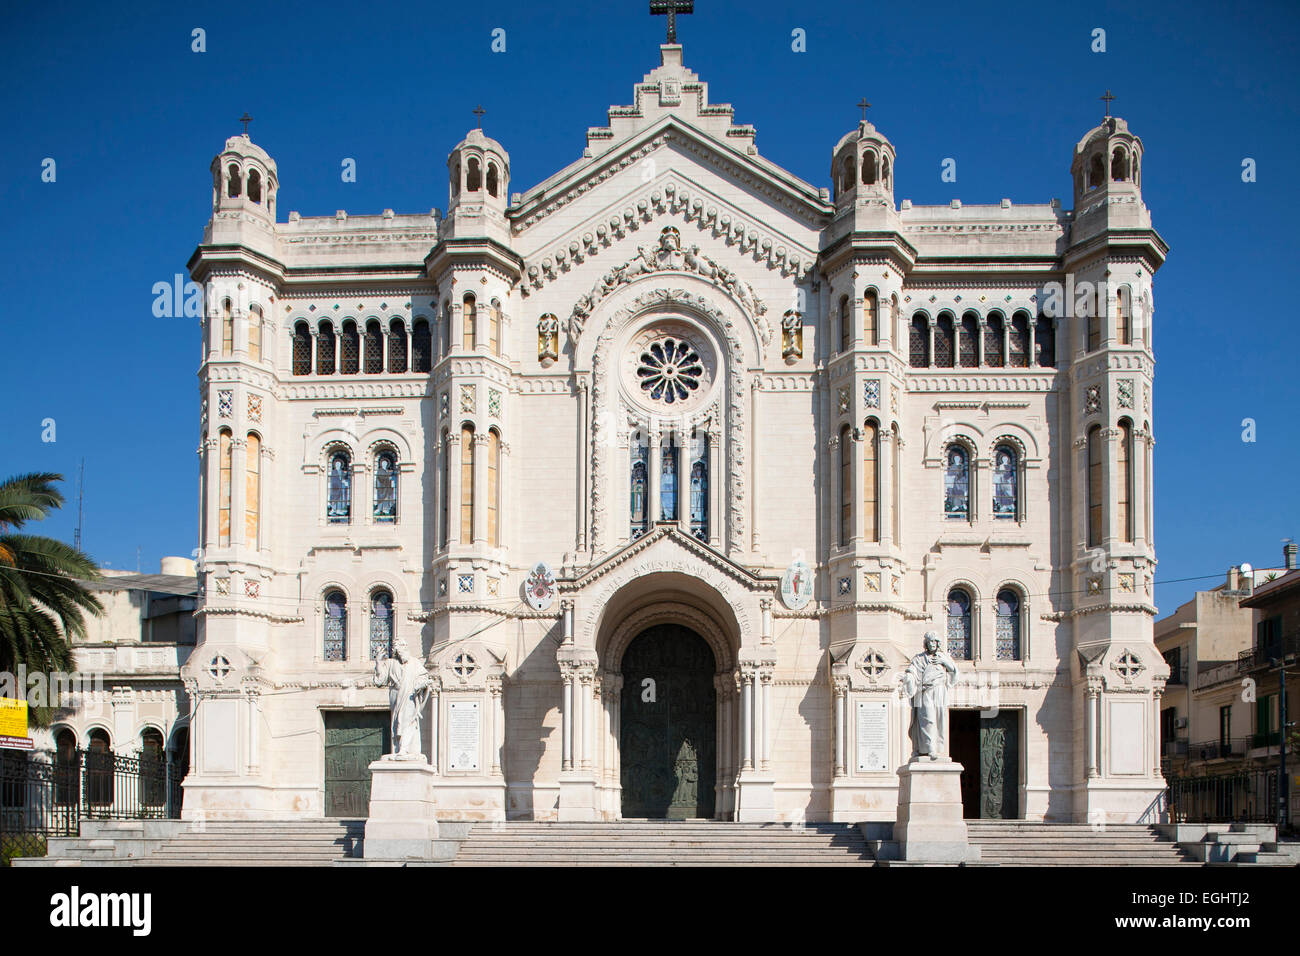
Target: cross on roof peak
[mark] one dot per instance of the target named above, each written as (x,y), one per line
(671,8)
(864,106)
(1107,98)
(478,111)
(245,119)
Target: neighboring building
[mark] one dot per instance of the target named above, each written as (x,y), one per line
(135,649)
(673,371)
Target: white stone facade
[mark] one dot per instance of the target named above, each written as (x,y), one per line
(672,226)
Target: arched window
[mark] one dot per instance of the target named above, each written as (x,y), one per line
(1006,482)
(944,346)
(469,323)
(1119,164)
(994,341)
(1095,315)
(253,492)
(492,179)
(868,168)
(325,349)
(871,318)
(846,486)
(1124,481)
(639,490)
(1096,171)
(668,480)
(494,327)
(1124,315)
(350,341)
(446,328)
(1095,484)
(884,170)
(338,506)
(846,324)
(700,485)
(871,481)
(234,182)
(968,341)
(381,626)
(467,484)
(956,483)
(99,769)
(385,487)
(336,626)
(225,444)
(227,329)
(473,176)
(455,180)
(67,769)
(152,768)
(255,334)
(1007,633)
(918,342)
(494,487)
(421,346)
(444,497)
(254,186)
(959,625)
(396,347)
(374,348)
(1018,341)
(1045,342)
(850,173)
(301,349)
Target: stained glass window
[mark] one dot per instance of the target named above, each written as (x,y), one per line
(374,357)
(381,626)
(700,486)
(338,507)
(968,341)
(421,346)
(993,341)
(1005,481)
(959,625)
(336,626)
(668,480)
(325,349)
(1044,342)
(397,347)
(1018,343)
(943,342)
(639,484)
(1008,626)
(956,484)
(350,349)
(670,370)
(301,349)
(386,487)
(918,343)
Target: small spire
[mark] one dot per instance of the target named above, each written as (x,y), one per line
(245,119)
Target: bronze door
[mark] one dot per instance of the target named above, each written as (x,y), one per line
(669,720)
(353,740)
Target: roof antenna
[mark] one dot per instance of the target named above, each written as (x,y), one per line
(81,493)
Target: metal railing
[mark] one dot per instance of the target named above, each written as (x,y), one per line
(1219,749)
(41,799)
(1261,656)
(1247,796)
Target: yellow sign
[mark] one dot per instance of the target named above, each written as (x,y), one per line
(13,717)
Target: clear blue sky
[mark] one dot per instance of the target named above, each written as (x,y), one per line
(133,118)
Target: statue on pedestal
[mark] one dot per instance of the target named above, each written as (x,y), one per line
(408,691)
(927,681)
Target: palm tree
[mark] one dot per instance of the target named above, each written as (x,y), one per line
(43,600)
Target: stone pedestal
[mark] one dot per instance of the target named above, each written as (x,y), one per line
(577,803)
(402,825)
(755,799)
(930,827)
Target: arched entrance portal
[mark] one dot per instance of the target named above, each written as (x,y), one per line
(669,725)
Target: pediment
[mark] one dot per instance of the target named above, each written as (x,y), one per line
(666,547)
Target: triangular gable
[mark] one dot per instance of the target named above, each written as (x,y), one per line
(670,538)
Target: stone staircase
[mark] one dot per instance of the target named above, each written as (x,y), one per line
(1027,843)
(663,843)
(257,843)
(1236,844)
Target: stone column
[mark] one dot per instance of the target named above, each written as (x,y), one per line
(1155,723)
(833,457)
(435,702)
(238,483)
(498,722)
(652,505)
(765,684)
(1092,700)
(566,750)
(841,707)
(453,491)
(755,489)
(885,468)
(746,678)
(716,474)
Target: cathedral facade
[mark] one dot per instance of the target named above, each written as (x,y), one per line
(665,466)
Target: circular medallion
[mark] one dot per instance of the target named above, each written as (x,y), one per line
(669,367)
(539,587)
(797,585)
(670,370)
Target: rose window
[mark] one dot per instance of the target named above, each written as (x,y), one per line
(670,370)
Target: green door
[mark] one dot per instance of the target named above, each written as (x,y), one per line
(353,740)
(1000,766)
(669,725)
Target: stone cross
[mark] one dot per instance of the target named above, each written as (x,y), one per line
(1107,98)
(672,8)
(864,106)
(479,111)
(245,119)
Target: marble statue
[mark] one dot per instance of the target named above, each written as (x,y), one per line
(408,691)
(928,680)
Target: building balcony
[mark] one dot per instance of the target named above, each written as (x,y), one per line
(1170,749)
(1263,656)
(1219,749)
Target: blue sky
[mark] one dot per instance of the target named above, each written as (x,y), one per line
(133,118)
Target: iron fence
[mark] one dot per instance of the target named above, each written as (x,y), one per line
(1247,796)
(40,798)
